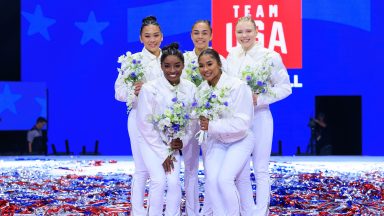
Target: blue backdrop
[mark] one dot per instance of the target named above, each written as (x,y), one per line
(73,46)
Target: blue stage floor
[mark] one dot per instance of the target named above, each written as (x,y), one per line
(96,185)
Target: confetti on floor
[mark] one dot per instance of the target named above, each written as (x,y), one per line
(100,185)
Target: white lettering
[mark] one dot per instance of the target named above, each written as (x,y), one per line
(277,37)
(228,44)
(247,10)
(260,28)
(259,11)
(296,83)
(273,11)
(236,11)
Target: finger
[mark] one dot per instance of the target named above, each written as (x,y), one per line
(172,166)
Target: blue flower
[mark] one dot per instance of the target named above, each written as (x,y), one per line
(193,62)
(174,99)
(263,91)
(248,78)
(138,61)
(133,75)
(225,103)
(186,116)
(194,104)
(133,61)
(213,95)
(259,83)
(176,127)
(207,105)
(194,68)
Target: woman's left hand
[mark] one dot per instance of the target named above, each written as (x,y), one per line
(176,144)
(255,96)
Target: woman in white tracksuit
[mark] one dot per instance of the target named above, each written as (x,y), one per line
(230,139)
(252,53)
(201,35)
(151,37)
(155,97)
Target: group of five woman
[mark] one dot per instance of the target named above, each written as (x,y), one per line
(244,129)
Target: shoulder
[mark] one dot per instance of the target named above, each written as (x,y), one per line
(234,50)
(187,84)
(269,53)
(151,86)
(187,53)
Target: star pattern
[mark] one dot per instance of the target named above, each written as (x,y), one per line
(38,23)
(91,29)
(43,104)
(8,100)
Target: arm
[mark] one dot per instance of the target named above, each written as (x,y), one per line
(30,136)
(150,135)
(122,89)
(236,127)
(281,86)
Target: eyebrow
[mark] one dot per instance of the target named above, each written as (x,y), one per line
(146,33)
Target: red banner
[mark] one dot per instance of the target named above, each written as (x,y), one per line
(278,23)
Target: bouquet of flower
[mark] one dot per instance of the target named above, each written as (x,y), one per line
(193,73)
(132,71)
(211,104)
(172,123)
(259,77)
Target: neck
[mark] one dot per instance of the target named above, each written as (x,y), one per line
(215,80)
(156,53)
(250,47)
(174,83)
(198,51)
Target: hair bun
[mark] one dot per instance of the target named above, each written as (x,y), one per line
(149,19)
(173,46)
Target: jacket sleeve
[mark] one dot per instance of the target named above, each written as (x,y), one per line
(235,127)
(281,86)
(149,133)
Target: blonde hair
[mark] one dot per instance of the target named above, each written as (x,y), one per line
(247,18)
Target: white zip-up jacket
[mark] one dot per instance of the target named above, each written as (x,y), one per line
(280,84)
(155,96)
(152,70)
(236,122)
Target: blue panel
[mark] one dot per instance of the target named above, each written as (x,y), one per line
(73,47)
(21,103)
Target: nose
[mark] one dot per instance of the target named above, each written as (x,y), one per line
(203,69)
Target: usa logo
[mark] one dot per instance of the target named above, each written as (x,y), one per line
(278,22)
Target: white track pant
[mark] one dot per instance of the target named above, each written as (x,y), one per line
(191,182)
(160,181)
(141,174)
(223,163)
(263,132)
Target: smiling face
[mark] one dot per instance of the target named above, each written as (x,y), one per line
(210,69)
(172,67)
(201,35)
(246,33)
(151,36)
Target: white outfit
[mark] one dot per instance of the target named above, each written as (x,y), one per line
(152,71)
(262,122)
(228,146)
(155,96)
(191,154)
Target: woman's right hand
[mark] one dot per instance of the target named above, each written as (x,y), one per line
(204,122)
(137,86)
(168,164)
